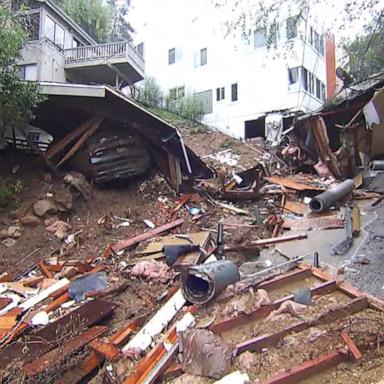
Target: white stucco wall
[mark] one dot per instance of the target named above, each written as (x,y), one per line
(261,74)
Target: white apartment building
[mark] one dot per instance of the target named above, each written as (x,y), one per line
(241,82)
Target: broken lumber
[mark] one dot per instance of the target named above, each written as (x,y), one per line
(352,347)
(356,222)
(265,310)
(89,132)
(145,236)
(292,184)
(265,242)
(73,135)
(264,341)
(308,368)
(59,354)
(45,339)
(306,224)
(94,360)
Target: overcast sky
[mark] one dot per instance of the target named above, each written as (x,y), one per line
(164,17)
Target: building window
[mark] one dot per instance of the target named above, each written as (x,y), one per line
(318,88)
(171,56)
(305,79)
(206,100)
(203,56)
(293,75)
(177,93)
(234,96)
(220,94)
(75,43)
(321,50)
(311,83)
(27,72)
(174,55)
(291,28)
(54,33)
(260,38)
(140,49)
(322,96)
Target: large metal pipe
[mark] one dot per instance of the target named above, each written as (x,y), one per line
(377,165)
(327,199)
(201,283)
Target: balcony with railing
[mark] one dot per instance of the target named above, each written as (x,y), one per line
(101,63)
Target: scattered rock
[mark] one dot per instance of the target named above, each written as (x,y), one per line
(50,220)
(47,178)
(45,207)
(9,242)
(59,228)
(4,234)
(64,199)
(80,183)
(246,361)
(14,232)
(30,220)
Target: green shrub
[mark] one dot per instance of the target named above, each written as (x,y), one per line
(189,107)
(150,93)
(6,194)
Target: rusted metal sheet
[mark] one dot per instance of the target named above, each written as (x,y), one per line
(59,354)
(45,339)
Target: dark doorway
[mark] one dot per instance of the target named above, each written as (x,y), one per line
(255,128)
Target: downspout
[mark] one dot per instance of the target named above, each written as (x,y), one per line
(187,163)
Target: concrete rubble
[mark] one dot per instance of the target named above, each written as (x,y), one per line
(243,277)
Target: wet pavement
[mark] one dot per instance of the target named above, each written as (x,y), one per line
(362,264)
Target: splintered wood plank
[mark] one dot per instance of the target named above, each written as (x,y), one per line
(146,236)
(60,353)
(287,278)
(4,301)
(349,289)
(265,310)
(308,368)
(292,184)
(352,347)
(94,360)
(106,349)
(46,338)
(306,224)
(264,341)
(296,207)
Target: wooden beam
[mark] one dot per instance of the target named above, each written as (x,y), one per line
(94,360)
(146,236)
(66,140)
(265,310)
(263,341)
(265,242)
(308,368)
(90,131)
(59,354)
(287,278)
(352,347)
(349,289)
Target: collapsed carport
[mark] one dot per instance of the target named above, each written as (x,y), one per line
(69,107)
